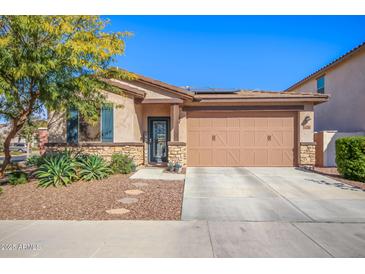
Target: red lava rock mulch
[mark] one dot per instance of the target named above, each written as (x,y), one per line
(161,200)
(332,172)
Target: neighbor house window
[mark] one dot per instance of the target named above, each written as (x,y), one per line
(320,85)
(78,130)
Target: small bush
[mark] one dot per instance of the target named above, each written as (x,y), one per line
(350,157)
(57,170)
(121,163)
(1,190)
(17,178)
(34,161)
(93,167)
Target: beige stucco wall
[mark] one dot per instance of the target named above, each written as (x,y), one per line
(306,127)
(183,126)
(345,83)
(127,127)
(127,121)
(56,127)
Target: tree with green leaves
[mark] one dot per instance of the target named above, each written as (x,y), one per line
(30,130)
(54,62)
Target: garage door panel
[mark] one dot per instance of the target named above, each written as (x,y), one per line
(277,139)
(261,157)
(261,138)
(233,157)
(233,139)
(247,157)
(288,123)
(205,157)
(219,157)
(194,123)
(220,139)
(246,123)
(288,157)
(261,123)
(241,139)
(247,138)
(288,139)
(193,157)
(219,123)
(275,156)
(205,138)
(194,138)
(233,122)
(204,122)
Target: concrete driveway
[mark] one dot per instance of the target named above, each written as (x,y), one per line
(269,194)
(227,212)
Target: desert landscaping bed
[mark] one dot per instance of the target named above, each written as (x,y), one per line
(333,173)
(151,200)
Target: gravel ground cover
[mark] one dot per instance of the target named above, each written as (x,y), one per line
(160,200)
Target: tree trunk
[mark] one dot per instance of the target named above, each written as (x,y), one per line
(14,130)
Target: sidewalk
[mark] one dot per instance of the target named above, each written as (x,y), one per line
(180,239)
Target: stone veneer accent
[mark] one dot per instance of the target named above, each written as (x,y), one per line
(307,155)
(106,150)
(177,152)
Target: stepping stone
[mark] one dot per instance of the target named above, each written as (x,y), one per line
(118,211)
(133,191)
(128,200)
(140,184)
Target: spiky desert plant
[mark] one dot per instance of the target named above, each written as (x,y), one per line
(93,167)
(59,170)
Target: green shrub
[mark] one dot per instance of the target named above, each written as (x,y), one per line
(93,167)
(1,190)
(57,170)
(350,157)
(121,163)
(34,161)
(17,178)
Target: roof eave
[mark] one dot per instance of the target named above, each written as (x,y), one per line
(303,100)
(324,69)
(166,87)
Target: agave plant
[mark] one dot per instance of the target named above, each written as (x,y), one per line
(56,171)
(93,167)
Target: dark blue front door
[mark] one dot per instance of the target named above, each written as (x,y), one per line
(158,129)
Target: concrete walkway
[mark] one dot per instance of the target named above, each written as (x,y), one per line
(269,194)
(200,239)
(157,173)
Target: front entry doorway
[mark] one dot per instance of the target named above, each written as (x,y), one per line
(158,131)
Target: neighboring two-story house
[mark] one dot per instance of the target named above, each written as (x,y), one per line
(344,114)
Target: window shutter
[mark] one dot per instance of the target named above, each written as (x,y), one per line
(107,123)
(73,127)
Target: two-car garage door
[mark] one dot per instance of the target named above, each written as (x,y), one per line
(241,138)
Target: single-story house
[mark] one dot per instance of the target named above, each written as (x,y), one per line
(155,122)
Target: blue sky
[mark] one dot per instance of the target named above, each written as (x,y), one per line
(254,52)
